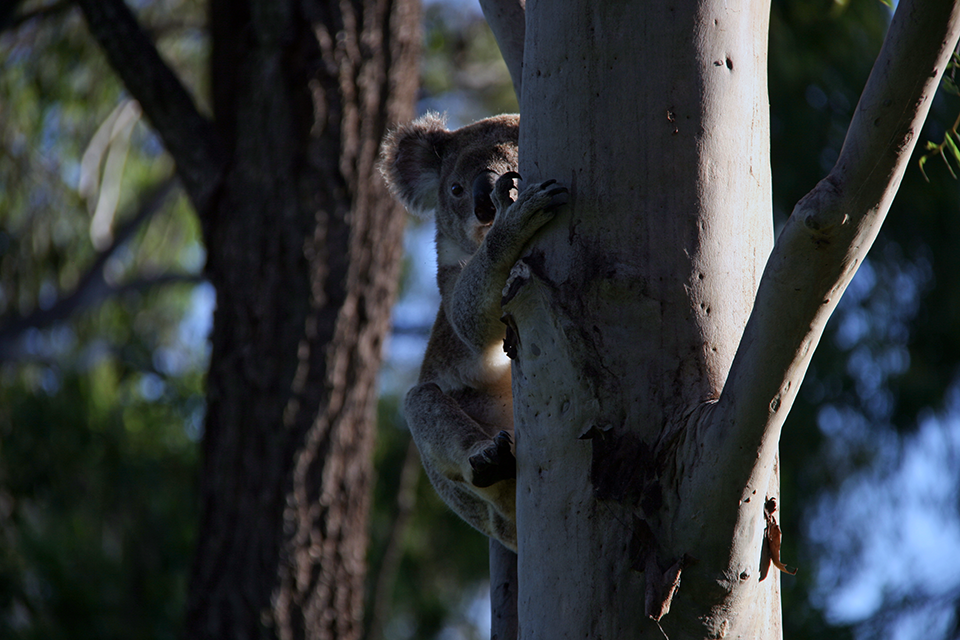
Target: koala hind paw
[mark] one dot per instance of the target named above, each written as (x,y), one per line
(494,463)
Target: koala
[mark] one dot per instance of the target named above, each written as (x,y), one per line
(461,411)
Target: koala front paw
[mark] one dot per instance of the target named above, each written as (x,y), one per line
(494,463)
(538,204)
(517,222)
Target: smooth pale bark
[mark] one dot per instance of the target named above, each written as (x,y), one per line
(630,308)
(832,227)
(633,316)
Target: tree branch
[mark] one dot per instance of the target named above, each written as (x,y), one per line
(504,622)
(827,236)
(507,20)
(390,565)
(9,21)
(93,287)
(7,11)
(187,135)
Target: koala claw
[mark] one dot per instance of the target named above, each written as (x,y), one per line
(501,190)
(555,191)
(551,194)
(495,463)
(553,206)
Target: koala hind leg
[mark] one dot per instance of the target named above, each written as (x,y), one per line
(453,443)
(493,515)
(473,470)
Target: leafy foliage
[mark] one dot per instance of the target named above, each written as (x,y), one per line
(950,137)
(889,356)
(100,383)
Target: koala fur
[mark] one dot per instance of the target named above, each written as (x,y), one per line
(461,411)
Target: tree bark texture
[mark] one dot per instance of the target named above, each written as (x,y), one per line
(304,246)
(503,592)
(647,481)
(304,249)
(636,303)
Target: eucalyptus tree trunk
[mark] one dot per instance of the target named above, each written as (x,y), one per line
(304,245)
(661,334)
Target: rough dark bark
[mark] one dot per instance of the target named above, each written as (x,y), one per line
(304,246)
(304,251)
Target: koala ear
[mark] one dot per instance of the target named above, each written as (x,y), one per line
(410,162)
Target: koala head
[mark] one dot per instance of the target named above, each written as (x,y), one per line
(431,169)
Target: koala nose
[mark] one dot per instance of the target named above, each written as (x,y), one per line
(482,204)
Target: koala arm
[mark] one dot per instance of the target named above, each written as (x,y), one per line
(473,305)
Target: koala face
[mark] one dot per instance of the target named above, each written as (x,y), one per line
(429,168)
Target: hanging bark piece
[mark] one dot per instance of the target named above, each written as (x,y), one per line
(660,596)
(661,586)
(773,536)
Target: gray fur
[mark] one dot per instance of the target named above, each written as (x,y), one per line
(461,412)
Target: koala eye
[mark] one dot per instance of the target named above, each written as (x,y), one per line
(456,189)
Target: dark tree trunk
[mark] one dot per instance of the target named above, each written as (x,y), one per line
(304,248)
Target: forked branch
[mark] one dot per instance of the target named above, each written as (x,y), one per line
(828,234)
(507,21)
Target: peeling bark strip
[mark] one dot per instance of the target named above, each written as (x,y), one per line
(772,536)
(660,591)
(661,586)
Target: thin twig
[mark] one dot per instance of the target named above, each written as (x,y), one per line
(389,567)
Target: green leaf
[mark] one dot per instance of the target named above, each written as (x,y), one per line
(950,86)
(951,145)
(923,161)
(947,162)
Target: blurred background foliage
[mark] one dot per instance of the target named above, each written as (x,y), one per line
(104,316)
